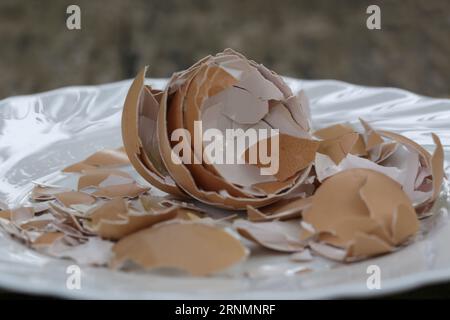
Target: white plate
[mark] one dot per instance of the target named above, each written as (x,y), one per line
(42,133)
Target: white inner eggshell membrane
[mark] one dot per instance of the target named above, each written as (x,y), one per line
(242,106)
(254,102)
(240,174)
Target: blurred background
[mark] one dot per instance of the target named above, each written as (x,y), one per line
(305,39)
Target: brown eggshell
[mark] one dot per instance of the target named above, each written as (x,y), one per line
(132,142)
(197,248)
(362,211)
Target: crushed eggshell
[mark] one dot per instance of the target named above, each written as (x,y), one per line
(115,219)
(341,193)
(397,157)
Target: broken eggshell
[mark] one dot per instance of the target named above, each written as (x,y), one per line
(116,219)
(418,172)
(284,236)
(195,247)
(368,183)
(225,91)
(362,212)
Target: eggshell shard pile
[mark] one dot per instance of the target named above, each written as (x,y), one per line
(341,192)
(375,186)
(418,172)
(125,224)
(225,91)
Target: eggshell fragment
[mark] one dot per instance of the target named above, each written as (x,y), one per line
(371,137)
(108,158)
(294,154)
(356,210)
(115,219)
(109,186)
(328,251)
(129,190)
(47,239)
(282,210)
(338,148)
(74,197)
(279,116)
(301,256)
(44,193)
(67,218)
(39,223)
(100,159)
(276,235)
(339,140)
(134,105)
(434,163)
(437,167)
(365,245)
(95,179)
(197,248)
(18,215)
(274,187)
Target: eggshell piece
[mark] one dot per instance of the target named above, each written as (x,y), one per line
(197,248)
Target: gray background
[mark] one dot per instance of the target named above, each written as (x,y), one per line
(304,39)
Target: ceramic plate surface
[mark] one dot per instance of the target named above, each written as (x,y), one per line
(41,134)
